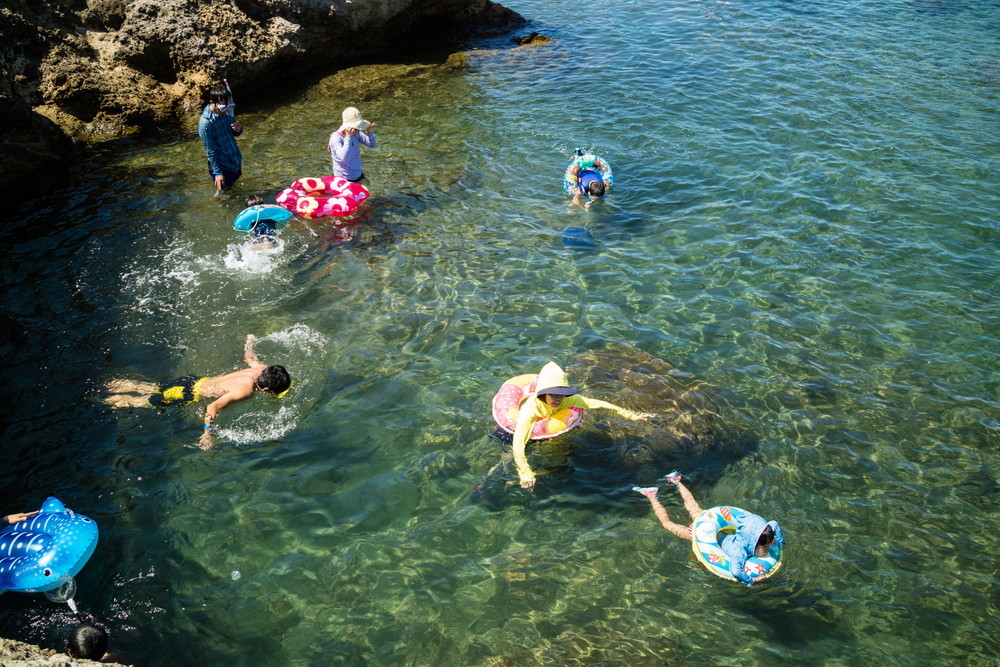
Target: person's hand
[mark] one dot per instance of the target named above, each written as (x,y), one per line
(370,126)
(528,483)
(350,132)
(236,127)
(220,182)
(15,518)
(206,441)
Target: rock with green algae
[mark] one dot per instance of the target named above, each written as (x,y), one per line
(18,654)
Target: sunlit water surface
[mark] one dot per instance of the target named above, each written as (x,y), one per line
(804,217)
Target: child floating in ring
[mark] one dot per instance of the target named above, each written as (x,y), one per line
(550,397)
(588,175)
(753,539)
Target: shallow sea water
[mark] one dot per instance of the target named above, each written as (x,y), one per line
(804,217)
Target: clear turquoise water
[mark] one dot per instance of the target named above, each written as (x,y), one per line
(804,218)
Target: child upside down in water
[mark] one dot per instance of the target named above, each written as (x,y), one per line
(753,536)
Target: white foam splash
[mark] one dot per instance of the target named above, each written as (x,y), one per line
(299,337)
(254,257)
(262,426)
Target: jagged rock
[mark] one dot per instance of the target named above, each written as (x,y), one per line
(18,654)
(532,39)
(101,69)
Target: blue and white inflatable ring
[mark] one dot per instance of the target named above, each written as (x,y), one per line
(722,520)
(46,550)
(250,217)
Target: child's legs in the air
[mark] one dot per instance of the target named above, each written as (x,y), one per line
(677,529)
(690,504)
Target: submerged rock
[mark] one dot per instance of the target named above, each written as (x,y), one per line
(532,39)
(697,430)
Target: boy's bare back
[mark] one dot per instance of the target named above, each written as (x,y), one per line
(238,383)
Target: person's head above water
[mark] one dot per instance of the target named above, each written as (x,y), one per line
(592,184)
(254,200)
(596,188)
(274,379)
(87,642)
(552,381)
(218,93)
(766,539)
(352,120)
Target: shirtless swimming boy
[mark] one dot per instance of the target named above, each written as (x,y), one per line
(225,389)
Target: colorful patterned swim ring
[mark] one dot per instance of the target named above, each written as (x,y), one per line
(46,550)
(591,162)
(507,406)
(321,197)
(707,531)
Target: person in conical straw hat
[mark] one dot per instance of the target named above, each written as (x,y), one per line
(345,144)
(553,393)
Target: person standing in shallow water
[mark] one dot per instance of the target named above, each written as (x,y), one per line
(218,130)
(345,144)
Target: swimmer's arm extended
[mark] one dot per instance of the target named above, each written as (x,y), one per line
(249,356)
(525,420)
(15,518)
(594,403)
(212,411)
(216,406)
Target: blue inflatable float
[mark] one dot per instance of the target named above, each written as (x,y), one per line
(250,217)
(46,550)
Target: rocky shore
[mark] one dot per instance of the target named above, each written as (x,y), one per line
(19,654)
(91,70)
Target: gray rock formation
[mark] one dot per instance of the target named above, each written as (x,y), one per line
(99,69)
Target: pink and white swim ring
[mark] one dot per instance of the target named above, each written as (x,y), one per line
(321,197)
(507,406)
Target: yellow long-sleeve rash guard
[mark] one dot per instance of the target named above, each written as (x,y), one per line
(534,409)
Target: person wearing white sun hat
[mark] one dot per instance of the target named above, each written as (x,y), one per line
(345,144)
(553,391)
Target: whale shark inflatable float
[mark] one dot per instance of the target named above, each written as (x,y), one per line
(46,550)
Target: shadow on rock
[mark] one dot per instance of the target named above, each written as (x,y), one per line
(697,430)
